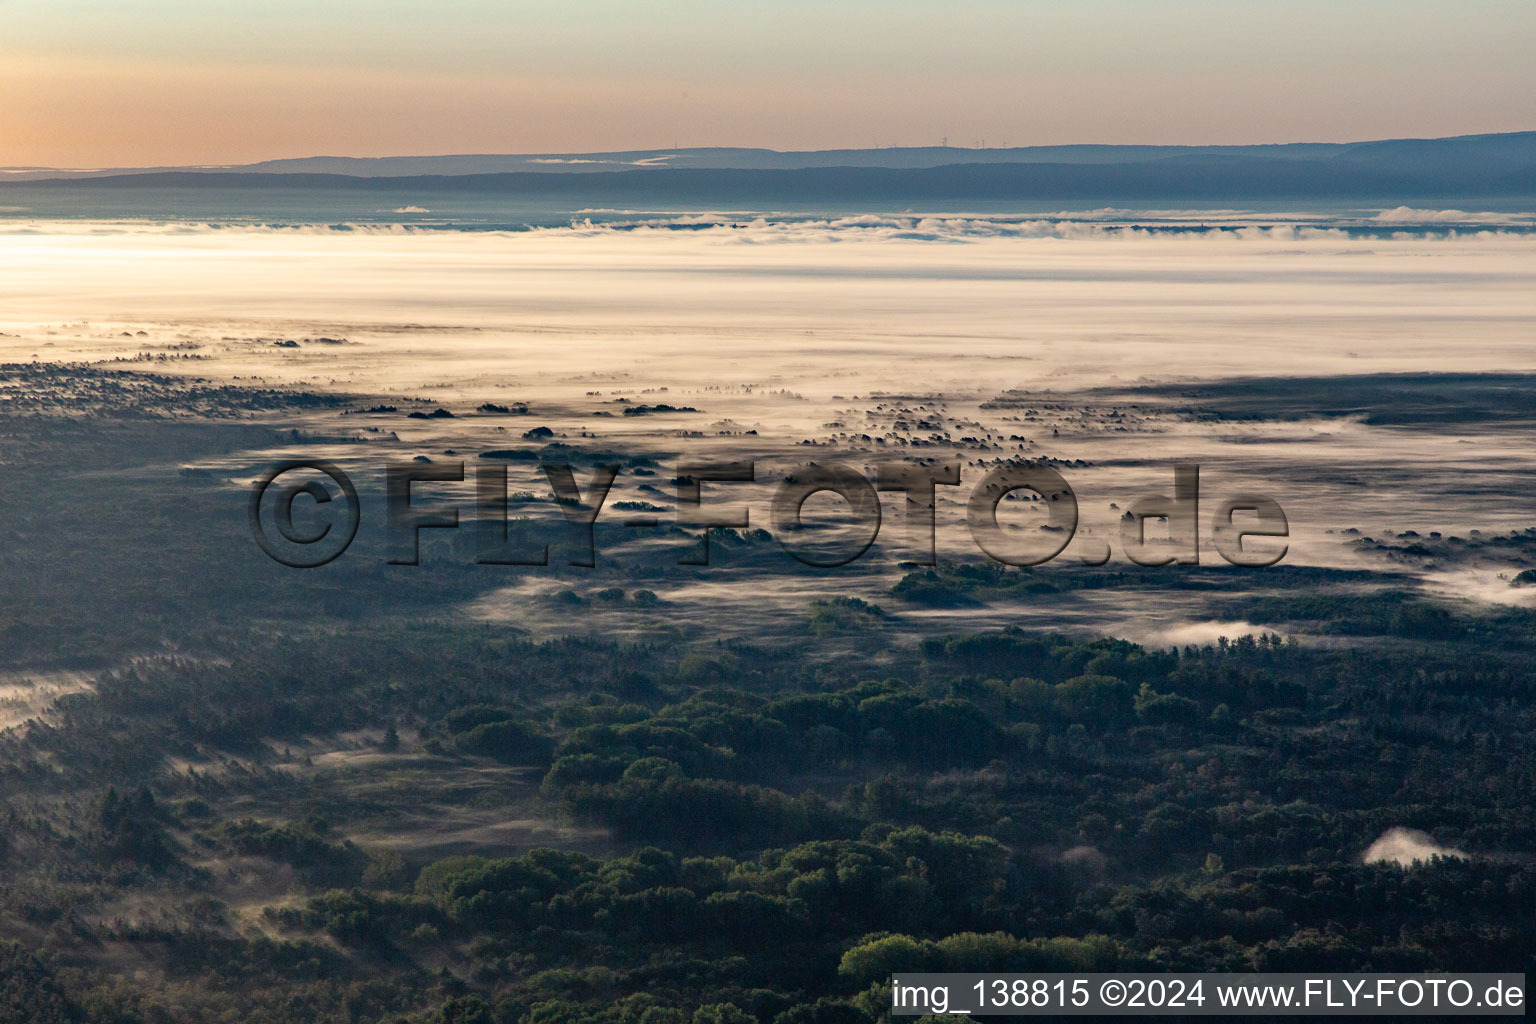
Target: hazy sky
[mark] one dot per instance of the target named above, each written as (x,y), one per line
(92,83)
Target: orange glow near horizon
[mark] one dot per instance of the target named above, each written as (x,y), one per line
(169,83)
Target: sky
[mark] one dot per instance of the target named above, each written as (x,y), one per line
(85,83)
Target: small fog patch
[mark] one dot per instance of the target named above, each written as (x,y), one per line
(1084,858)
(1408,846)
(1201,634)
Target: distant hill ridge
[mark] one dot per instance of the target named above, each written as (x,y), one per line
(1501,165)
(1514,149)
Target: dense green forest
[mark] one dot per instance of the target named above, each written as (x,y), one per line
(780,833)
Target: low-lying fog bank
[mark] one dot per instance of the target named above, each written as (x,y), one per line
(1115,354)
